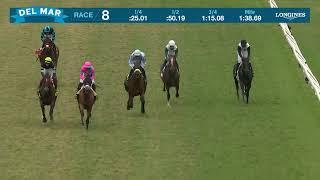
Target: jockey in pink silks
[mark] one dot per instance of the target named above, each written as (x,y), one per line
(87,67)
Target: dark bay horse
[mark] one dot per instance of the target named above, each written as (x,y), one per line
(171,77)
(245,75)
(136,87)
(86,99)
(47,92)
(48,49)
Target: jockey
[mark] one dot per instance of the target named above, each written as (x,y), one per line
(87,66)
(48,63)
(49,66)
(171,49)
(48,31)
(243,51)
(137,55)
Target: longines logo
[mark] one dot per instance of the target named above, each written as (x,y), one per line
(290,16)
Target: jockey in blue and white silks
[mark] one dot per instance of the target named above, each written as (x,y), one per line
(137,56)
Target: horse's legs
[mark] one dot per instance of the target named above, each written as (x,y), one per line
(242,90)
(130,103)
(52,108)
(44,119)
(248,92)
(128,106)
(168,96)
(55,81)
(81,113)
(177,90)
(142,103)
(164,87)
(88,117)
(237,86)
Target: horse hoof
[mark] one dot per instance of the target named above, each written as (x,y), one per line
(168,104)
(177,95)
(44,120)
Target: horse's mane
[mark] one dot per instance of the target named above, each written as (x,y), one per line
(44,82)
(50,42)
(87,80)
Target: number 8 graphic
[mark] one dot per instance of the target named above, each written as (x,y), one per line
(105,15)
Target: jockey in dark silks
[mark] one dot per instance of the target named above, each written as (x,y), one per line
(171,49)
(244,52)
(48,32)
(48,67)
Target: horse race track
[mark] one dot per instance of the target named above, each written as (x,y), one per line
(206,134)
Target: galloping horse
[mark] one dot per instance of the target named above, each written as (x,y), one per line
(171,77)
(86,99)
(47,92)
(136,87)
(245,77)
(48,49)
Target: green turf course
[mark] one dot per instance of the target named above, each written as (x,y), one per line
(206,134)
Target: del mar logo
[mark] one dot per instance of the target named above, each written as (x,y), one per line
(290,16)
(34,14)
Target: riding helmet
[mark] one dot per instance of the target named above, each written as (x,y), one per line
(48,60)
(243,43)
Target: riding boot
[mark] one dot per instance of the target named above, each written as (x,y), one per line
(79,87)
(94,88)
(55,82)
(130,73)
(251,69)
(42,71)
(38,91)
(235,69)
(126,80)
(125,83)
(144,75)
(162,67)
(178,68)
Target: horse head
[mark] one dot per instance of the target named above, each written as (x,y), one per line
(245,70)
(87,83)
(48,43)
(48,48)
(47,82)
(245,65)
(172,63)
(137,73)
